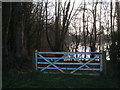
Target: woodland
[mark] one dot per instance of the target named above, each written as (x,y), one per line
(55,26)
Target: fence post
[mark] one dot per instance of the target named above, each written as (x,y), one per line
(36,59)
(104,62)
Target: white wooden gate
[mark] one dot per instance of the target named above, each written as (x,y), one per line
(68,62)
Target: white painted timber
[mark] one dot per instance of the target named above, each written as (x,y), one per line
(58,63)
(52,62)
(93,69)
(83,65)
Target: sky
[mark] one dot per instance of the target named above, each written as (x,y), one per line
(53,0)
(78,0)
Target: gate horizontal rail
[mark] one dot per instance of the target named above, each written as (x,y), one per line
(68,61)
(69,53)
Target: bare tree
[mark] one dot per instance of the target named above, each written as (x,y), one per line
(63,16)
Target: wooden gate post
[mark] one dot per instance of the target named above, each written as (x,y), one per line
(36,60)
(104,62)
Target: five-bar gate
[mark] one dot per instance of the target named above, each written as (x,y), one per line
(69,62)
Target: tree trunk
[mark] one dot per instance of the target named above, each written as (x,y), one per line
(17,27)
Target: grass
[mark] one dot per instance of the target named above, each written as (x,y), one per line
(39,80)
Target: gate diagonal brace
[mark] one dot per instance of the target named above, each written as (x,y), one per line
(48,65)
(51,64)
(81,62)
(83,65)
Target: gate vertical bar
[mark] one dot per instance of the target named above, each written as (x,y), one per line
(100,58)
(36,60)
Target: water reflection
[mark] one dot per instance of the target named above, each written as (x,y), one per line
(81,48)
